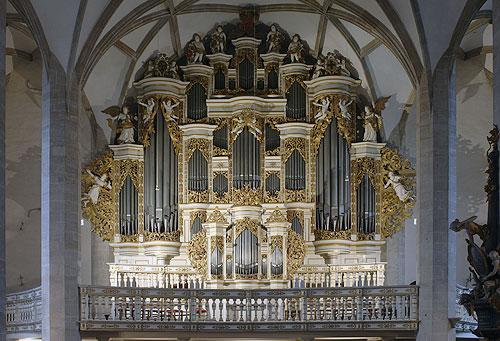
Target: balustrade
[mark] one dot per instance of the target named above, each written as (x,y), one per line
(154,308)
(24,311)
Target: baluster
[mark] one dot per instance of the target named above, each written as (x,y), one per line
(221,310)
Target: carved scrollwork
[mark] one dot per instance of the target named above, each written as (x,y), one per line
(276,217)
(295,195)
(362,166)
(216,217)
(295,143)
(296,251)
(246,223)
(276,242)
(289,80)
(332,235)
(216,242)
(164,236)
(197,196)
(197,252)
(172,114)
(203,145)
(268,196)
(394,210)
(99,213)
(247,196)
(250,54)
(247,118)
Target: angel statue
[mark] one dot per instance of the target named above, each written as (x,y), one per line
(319,68)
(273,40)
(172,70)
(372,119)
(150,69)
(322,113)
(341,65)
(218,43)
(125,126)
(242,122)
(395,180)
(296,50)
(93,194)
(344,108)
(149,105)
(168,106)
(196,50)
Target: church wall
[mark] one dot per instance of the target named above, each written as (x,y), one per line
(474,121)
(23,171)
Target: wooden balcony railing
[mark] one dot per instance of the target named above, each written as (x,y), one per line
(368,308)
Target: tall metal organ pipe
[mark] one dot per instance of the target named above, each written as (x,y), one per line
(160,181)
(333,192)
(246,160)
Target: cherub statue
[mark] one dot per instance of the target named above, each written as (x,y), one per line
(323,104)
(125,123)
(196,50)
(341,66)
(319,68)
(472,228)
(93,194)
(296,50)
(150,69)
(218,43)
(149,105)
(242,122)
(273,40)
(395,180)
(344,108)
(168,106)
(172,70)
(372,119)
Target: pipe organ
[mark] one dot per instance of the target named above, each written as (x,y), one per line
(245,170)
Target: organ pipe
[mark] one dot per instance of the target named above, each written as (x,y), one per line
(246,160)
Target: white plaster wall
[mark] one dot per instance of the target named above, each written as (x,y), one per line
(23,170)
(474,121)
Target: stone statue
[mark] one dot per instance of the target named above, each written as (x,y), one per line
(323,104)
(150,69)
(319,68)
(372,119)
(149,105)
(472,228)
(168,106)
(296,50)
(99,182)
(172,70)
(218,43)
(196,50)
(395,180)
(344,108)
(273,40)
(125,123)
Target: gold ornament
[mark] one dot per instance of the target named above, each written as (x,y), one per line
(276,217)
(332,235)
(247,196)
(395,211)
(197,252)
(296,251)
(246,223)
(164,236)
(100,215)
(203,145)
(216,217)
(247,118)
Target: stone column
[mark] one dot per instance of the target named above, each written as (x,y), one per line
(60,203)
(436,202)
(2,170)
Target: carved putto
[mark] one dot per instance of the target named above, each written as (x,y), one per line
(323,105)
(218,43)
(296,50)
(274,39)
(195,50)
(162,66)
(124,123)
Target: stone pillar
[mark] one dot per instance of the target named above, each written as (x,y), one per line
(436,202)
(60,204)
(2,170)
(102,254)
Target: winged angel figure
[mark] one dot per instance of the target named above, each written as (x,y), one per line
(125,123)
(372,119)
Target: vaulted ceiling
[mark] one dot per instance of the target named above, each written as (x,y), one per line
(107,41)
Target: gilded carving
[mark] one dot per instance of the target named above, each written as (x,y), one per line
(203,145)
(247,118)
(216,217)
(295,143)
(296,251)
(97,198)
(276,242)
(246,223)
(332,235)
(163,236)
(268,196)
(295,195)
(247,196)
(289,80)
(216,242)
(394,210)
(198,214)
(197,196)
(224,197)
(276,217)
(197,252)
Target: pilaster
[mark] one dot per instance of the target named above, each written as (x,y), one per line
(436,203)
(60,205)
